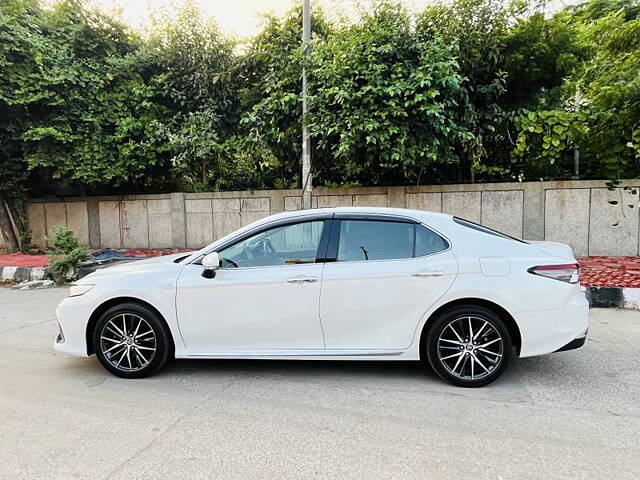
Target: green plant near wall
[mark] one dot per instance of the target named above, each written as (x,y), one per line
(546,136)
(65,253)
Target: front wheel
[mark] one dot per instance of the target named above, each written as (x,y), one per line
(469,346)
(131,341)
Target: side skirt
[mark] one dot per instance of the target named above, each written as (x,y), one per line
(305,354)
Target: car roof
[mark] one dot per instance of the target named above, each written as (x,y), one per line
(422,215)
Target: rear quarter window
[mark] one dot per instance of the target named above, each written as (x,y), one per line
(483,229)
(428,242)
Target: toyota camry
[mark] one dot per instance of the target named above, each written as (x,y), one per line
(336,284)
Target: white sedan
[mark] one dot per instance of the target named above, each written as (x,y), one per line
(336,284)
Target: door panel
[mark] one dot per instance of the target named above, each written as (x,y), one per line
(377,304)
(266,297)
(250,308)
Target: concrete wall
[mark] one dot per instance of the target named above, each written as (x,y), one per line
(573,212)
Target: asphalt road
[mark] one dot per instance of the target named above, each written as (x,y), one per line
(567,415)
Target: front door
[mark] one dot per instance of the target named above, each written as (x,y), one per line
(387,274)
(264,298)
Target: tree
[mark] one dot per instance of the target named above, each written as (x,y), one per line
(19,26)
(269,74)
(191,59)
(92,118)
(476,28)
(382,101)
(598,106)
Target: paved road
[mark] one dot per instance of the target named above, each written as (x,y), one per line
(568,415)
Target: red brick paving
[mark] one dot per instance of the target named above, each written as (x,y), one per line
(610,271)
(22,260)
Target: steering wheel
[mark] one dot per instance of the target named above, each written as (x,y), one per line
(268,247)
(262,253)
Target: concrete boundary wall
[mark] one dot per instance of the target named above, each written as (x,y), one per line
(573,212)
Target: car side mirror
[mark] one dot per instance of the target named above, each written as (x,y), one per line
(211,263)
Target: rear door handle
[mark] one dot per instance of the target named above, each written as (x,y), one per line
(428,273)
(302,279)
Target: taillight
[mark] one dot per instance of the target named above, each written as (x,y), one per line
(569,272)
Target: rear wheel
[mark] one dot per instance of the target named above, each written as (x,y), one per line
(469,346)
(131,341)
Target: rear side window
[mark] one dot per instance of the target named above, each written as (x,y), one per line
(483,229)
(379,240)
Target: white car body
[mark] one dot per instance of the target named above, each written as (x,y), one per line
(351,310)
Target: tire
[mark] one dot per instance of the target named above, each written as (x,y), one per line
(451,351)
(131,341)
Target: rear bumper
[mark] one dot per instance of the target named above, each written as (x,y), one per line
(548,331)
(575,343)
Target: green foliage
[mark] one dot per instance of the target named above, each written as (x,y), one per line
(26,239)
(65,252)
(597,107)
(546,135)
(190,58)
(476,29)
(269,72)
(539,53)
(464,90)
(85,110)
(384,100)
(611,80)
(62,240)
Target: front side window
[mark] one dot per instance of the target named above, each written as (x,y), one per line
(286,245)
(381,240)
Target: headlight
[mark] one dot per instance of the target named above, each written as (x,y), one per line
(77,290)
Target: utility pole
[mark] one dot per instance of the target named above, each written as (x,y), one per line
(576,150)
(307,183)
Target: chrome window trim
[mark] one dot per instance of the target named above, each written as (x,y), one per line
(310,217)
(400,219)
(263,228)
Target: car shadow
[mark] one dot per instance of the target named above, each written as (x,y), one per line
(300,368)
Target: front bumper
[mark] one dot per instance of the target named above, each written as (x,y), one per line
(72,316)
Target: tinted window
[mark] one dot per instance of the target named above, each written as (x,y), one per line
(375,240)
(483,229)
(289,244)
(428,242)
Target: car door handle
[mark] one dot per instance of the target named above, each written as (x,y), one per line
(302,279)
(428,273)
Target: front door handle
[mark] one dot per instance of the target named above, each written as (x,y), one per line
(302,279)
(428,273)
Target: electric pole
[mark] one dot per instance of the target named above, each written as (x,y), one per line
(306,141)
(576,151)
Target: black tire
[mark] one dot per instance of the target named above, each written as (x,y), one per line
(443,345)
(124,318)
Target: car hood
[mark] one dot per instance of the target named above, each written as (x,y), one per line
(555,249)
(145,265)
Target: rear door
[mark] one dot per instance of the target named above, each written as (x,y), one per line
(387,273)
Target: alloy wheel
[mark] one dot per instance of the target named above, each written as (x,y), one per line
(470,348)
(128,342)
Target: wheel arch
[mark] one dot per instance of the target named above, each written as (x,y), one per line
(510,322)
(103,307)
